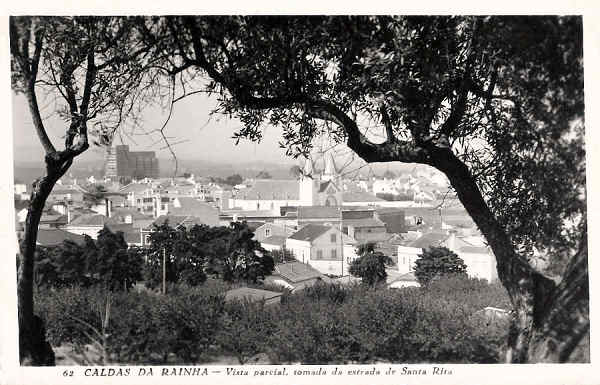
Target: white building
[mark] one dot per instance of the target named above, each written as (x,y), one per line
(311,189)
(325,248)
(480,261)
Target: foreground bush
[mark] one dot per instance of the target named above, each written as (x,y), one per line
(142,327)
(324,324)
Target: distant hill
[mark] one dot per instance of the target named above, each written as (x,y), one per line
(223,170)
(29,165)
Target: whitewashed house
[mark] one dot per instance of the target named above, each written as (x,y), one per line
(480,261)
(322,247)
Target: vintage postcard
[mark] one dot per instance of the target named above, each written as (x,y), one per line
(299,198)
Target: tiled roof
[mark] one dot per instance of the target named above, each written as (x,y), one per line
(408,277)
(325,185)
(363,222)
(428,240)
(278,240)
(248,213)
(130,233)
(53,217)
(271,189)
(296,271)
(135,187)
(389,210)
(190,206)
(250,294)
(119,214)
(309,233)
(54,237)
(376,237)
(314,212)
(65,191)
(177,220)
(89,220)
(394,220)
(360,196)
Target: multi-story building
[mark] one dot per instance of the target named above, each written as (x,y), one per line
(120,162)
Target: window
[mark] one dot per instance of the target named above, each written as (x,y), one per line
(333,238)
(267,232)
(147,239)
(333,254)
(404,260)
(319,254)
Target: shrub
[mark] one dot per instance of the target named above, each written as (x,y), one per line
(245,328)
(65,312)
(143,327)
(436,262)
(323,324)
(332,293)
(370,265)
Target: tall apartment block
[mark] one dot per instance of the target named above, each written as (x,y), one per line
(120,162)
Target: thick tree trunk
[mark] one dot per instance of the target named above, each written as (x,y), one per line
(33,347)
(561,330)
(550,322)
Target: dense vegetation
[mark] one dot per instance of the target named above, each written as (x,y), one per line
(107,261)
(436,262)
(370,265)
(326,323)
(190,255)
(227,252)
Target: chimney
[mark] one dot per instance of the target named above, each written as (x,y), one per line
(451,242)
(108,204)
(68,214)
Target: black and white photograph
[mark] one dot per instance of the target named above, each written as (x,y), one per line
(220,194)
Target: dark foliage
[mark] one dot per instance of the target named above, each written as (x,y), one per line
(108,261)
(192,254)
(436,262)
(370,265)
(326,324)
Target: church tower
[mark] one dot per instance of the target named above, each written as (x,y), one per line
(309,185)
(330,173)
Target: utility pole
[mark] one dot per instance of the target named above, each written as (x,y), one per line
(342,240)
(164,272)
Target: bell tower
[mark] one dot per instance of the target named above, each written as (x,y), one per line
(308,185)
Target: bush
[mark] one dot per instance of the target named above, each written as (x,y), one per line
(413,325)
(245,329)
(66,311)
(370,265)
(437,262)
(142,328)
(323,324)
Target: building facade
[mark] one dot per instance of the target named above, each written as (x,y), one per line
(120,162)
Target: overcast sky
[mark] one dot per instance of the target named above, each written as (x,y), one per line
(197,137)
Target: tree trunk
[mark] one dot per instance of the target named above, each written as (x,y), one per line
(550,322)
(561,330)
(33,347)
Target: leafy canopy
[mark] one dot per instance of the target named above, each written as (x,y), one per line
(503,94)
(437,262)
(370,265)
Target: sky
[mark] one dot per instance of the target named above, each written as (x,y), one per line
(189,127)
